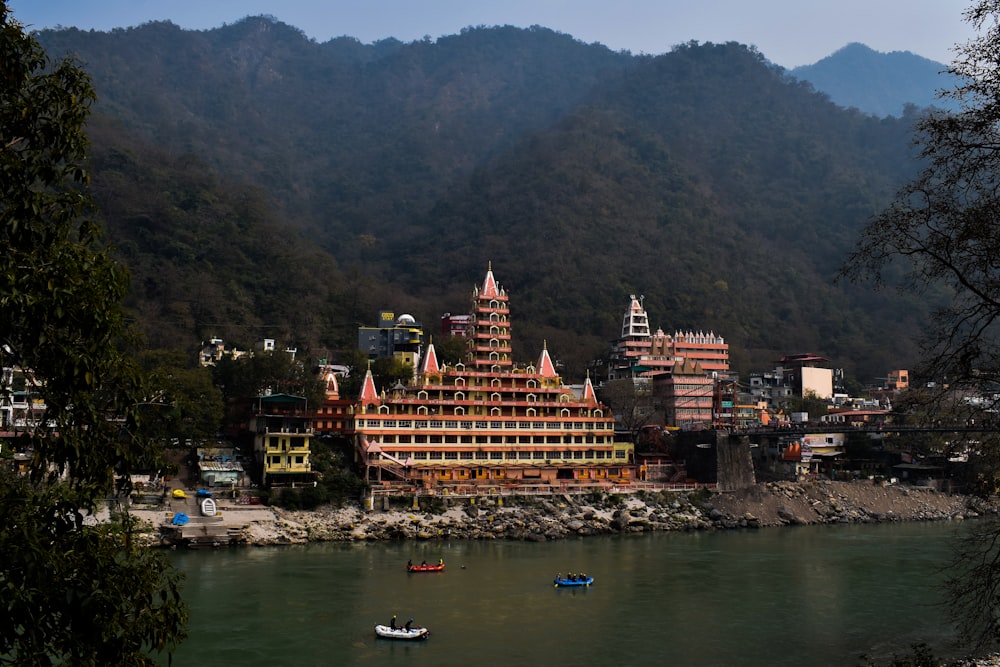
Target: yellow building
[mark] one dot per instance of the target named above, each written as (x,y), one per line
(282,428)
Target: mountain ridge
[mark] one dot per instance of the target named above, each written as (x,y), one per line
(879,83)
(717,184)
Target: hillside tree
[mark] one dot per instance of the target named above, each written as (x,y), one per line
(940,238)
(74,592)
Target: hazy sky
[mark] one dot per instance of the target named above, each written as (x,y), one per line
(788,32)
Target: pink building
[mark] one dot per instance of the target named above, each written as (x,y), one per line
(640,353)
(486,423)
(687,396)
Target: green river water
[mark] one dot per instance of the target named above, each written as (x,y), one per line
(817,595)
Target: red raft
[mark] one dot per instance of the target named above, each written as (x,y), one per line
(425,568)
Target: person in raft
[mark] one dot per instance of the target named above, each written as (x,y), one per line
(408,624)
(392,623)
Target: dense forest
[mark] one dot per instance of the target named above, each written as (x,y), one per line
(261,184)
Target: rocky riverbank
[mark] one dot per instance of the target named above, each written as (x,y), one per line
(560,517)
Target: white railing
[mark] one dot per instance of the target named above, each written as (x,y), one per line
(575,488)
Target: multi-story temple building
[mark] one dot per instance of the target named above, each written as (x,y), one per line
(639,352)
(486,422)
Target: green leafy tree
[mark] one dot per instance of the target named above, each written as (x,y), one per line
(243,379)
(941,239)
(185,405)
(631,403)
(73,593)
(451,349)
(809,403)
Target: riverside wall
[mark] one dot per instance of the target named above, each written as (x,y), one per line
(555,517)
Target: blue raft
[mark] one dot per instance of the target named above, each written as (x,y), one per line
(573,581)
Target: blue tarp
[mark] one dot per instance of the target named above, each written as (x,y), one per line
(180,519)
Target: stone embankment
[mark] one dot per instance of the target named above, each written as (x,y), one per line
(560,517)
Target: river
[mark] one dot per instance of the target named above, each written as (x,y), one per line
(811,595)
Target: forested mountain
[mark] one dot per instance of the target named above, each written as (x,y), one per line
(878,83)
(259,183)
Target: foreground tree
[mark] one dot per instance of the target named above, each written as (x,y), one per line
(941,237)
(73,593)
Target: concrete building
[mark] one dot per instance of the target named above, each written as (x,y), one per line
(686,396)
(898,380)
(282,427)
(397,337)
(806,373)
(455,324)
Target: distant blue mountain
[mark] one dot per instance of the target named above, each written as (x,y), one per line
(878,83)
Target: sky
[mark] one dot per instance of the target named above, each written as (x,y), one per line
(789,33)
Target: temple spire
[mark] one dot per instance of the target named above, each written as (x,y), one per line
(331,386)
(589,395)
(489,288)
(545,366)
(369,395)
(430,364)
